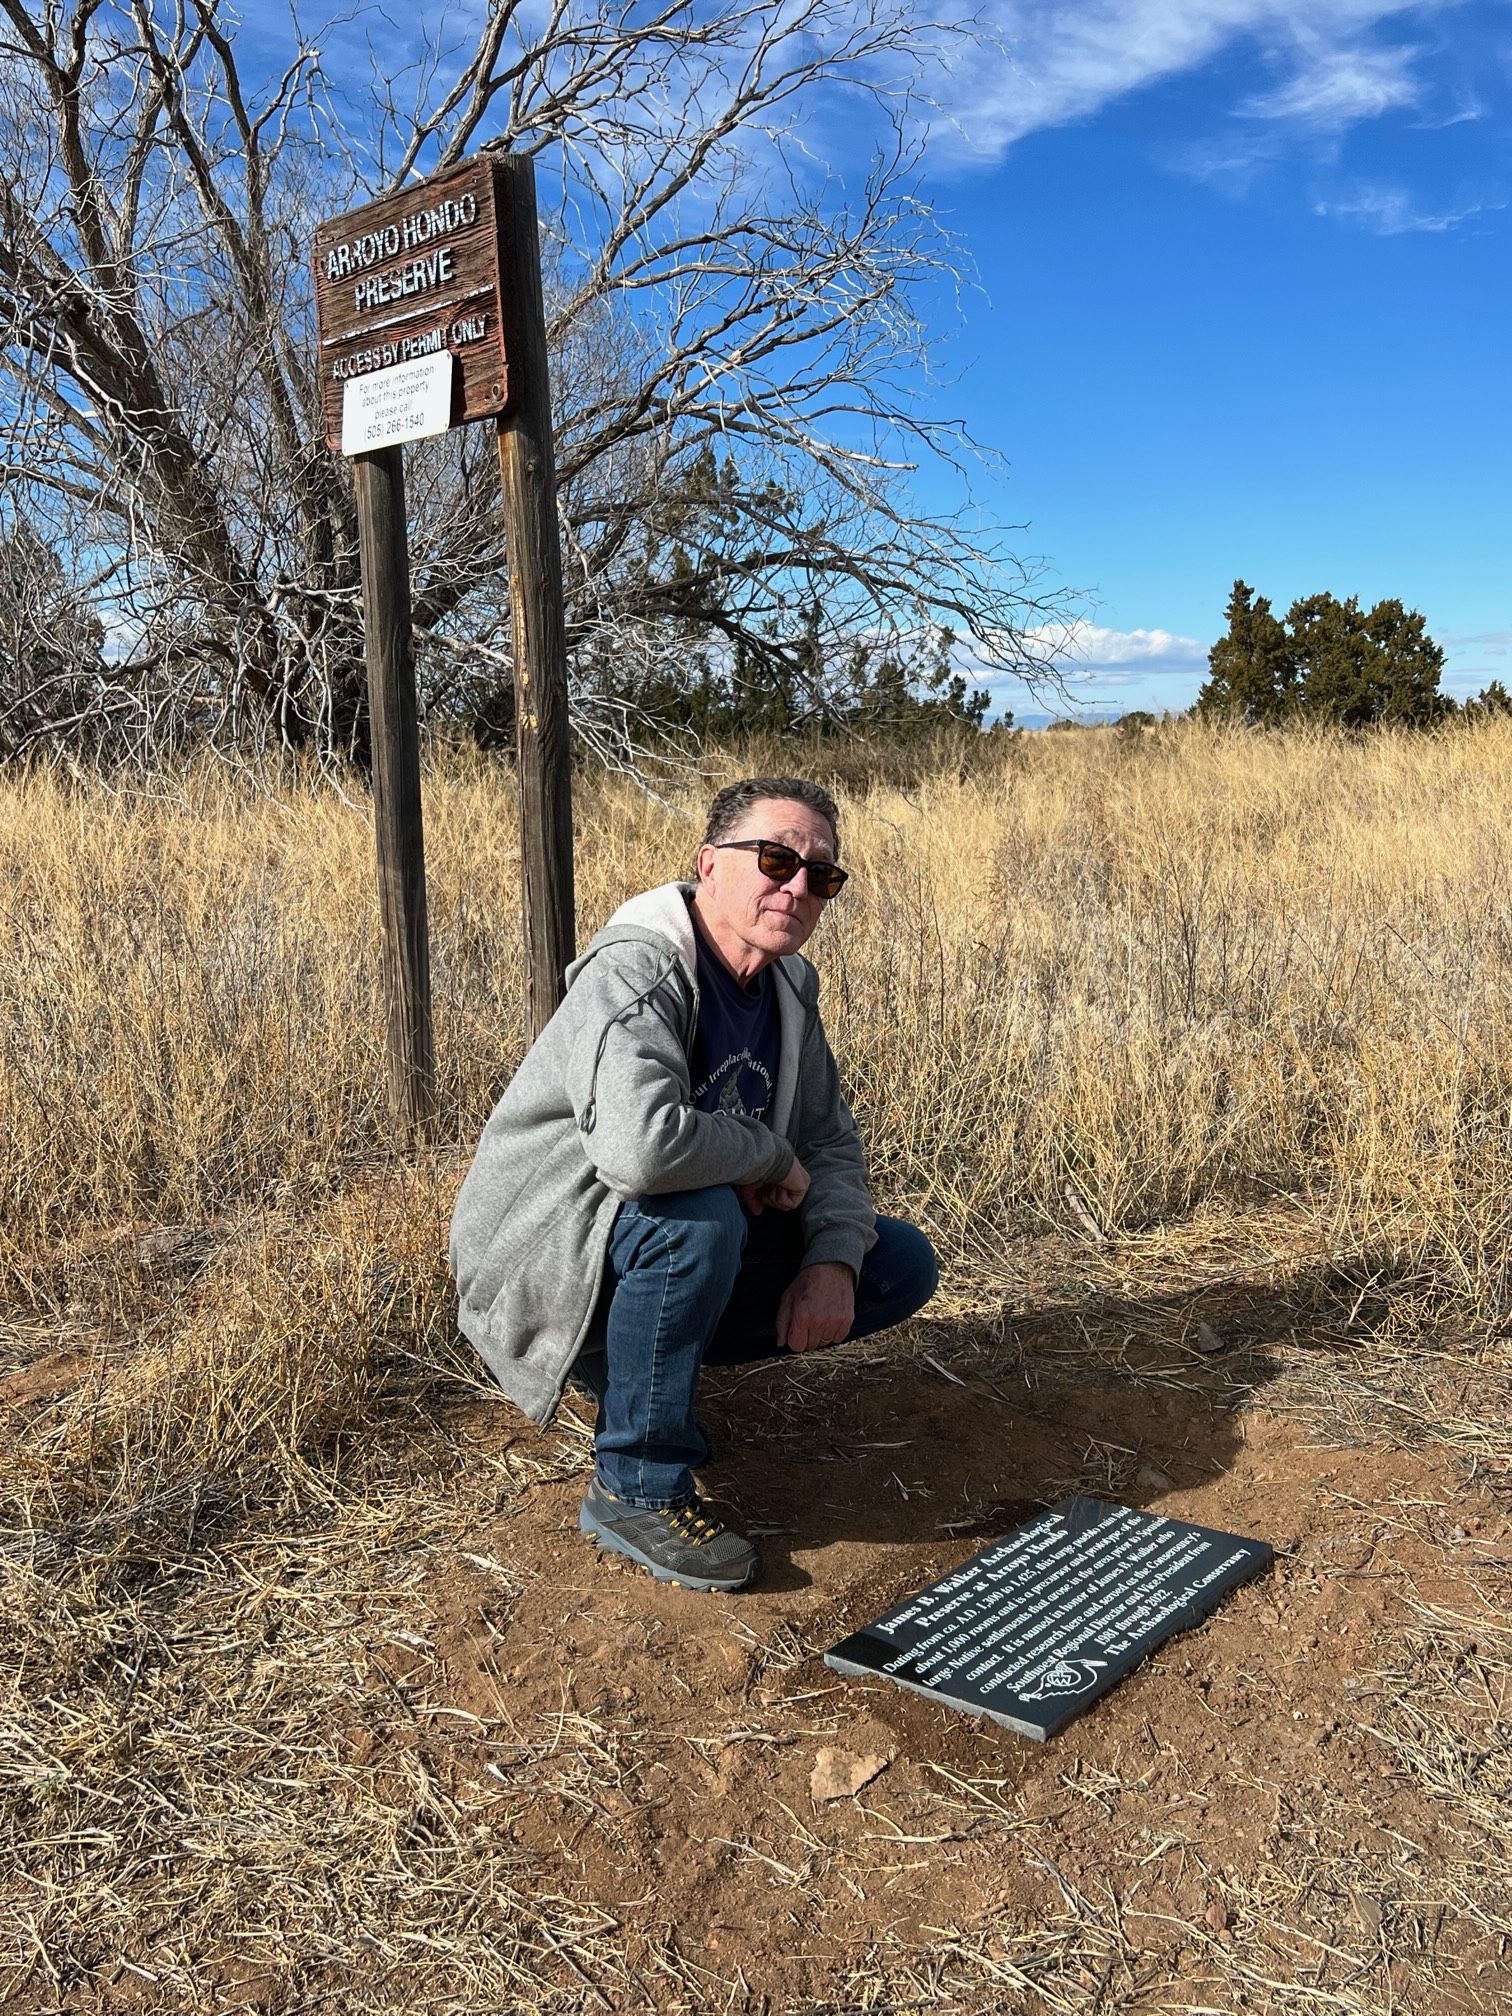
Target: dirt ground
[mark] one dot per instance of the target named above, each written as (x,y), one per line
(430,1749)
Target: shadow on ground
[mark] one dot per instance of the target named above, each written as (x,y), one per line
(955,1431)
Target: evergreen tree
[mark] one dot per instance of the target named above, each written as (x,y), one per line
(1489,702)
(1251,670)
(1326,661)
(895,696)
(52,664)
(1361,669)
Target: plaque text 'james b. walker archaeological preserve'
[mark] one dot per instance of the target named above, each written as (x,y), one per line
(1037,1627)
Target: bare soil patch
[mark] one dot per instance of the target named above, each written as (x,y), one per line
(422,1745)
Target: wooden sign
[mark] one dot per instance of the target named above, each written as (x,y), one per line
(412,276)
(420,299)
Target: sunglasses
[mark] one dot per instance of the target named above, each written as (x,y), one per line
(781,864)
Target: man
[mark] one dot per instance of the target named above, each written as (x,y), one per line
(672,1178)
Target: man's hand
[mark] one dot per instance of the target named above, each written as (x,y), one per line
(784,1196)
(818,1308)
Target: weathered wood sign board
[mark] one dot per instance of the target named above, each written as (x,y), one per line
(1038,1626)
(412,276)
(422,299)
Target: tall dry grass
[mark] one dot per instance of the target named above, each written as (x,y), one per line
(1090,981)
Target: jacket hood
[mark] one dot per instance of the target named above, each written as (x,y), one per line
(661,917)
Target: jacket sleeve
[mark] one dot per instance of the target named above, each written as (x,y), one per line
(838,1218)
(627,1079)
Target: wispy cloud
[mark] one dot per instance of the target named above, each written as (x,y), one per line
(1388,210)
(1464,114)
(1333,87)
(1474,660)
(1063,62)
(1232,164)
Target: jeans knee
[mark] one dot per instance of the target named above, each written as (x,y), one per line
(703,1231)
(907,1260)
(716,1232)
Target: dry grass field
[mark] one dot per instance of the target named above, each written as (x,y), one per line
(1193,1052)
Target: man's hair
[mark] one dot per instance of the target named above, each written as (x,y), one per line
(732,803)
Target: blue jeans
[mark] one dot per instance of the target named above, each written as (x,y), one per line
(692,1280)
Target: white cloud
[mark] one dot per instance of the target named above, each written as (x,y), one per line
(1099,671)
(123,634)
(1088,651)
(1105,673)
(1388,211)
(1063,62)
(1335,87)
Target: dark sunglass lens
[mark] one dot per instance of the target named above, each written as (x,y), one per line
(779,862)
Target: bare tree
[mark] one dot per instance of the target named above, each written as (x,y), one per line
(737,352)
(54,680)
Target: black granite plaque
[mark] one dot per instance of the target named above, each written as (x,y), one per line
(1038,1626)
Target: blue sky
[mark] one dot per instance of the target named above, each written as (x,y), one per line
(1245,311)
(1245,295)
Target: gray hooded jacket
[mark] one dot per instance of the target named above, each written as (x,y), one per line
(598,1112)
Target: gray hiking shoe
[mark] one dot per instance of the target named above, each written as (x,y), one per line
(686,1544)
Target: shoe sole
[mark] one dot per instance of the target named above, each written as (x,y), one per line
(612,1543)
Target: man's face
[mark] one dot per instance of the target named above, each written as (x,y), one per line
(766,918)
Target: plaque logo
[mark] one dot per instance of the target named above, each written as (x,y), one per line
(1069,1675)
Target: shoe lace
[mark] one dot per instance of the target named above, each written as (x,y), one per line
(694,1523)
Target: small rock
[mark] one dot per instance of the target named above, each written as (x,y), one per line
(840,1774)
(1369,1913)
(1216,1917)
(1148,1478)
(1207,1340)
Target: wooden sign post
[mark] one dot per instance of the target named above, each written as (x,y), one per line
(430,316)
(527,474)
(409,1039)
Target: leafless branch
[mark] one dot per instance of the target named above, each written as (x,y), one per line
(739,359)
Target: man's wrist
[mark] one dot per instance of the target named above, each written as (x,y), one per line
(845,1244)
(830,1267)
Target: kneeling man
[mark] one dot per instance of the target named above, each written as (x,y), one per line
(672,1178)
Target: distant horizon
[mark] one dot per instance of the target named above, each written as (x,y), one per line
(1223,295)
(1244,288)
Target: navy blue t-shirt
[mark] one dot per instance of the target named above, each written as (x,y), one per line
(738,1039)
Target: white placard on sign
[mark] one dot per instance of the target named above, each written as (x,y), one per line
(405,402)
